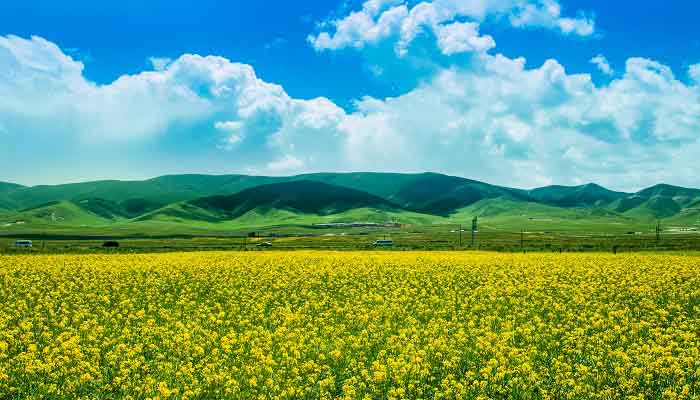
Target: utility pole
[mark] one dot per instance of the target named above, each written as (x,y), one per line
(460,235)
(658,231)
(522,240)
(475,228)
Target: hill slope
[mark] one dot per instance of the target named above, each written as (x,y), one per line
(61,213)
(5,189)
(205,202)
(136,197)
(428,193)
(297,197)
(307,197)
(659,202)
(590,195)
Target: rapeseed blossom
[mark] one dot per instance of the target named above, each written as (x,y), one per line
(349,326)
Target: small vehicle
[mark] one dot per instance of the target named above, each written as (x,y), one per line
(264,244)
(110,244)
(23,244)
(383,243)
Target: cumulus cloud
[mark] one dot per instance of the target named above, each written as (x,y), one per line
(513,124)
(694,73)
(603,65)
(495,119)
(547,14)
(232,131)
(383,20)
(159,63)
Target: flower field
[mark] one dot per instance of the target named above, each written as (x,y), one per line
(349,325)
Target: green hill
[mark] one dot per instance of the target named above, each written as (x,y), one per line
(9,187)
(442,195)
(655,207)
(658,202)
(206,203)
(305,197)
(675,192)
(298,202)
(136,197)
(590,195)
(384,185)
(428,193)
(509,214)
(5,189)
(61,213)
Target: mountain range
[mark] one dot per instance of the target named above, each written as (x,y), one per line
(216,204)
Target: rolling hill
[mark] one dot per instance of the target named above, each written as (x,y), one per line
(428,193)
(5,189)
(64,213)
(590,195)
(136,197)
(206,203)
(298,197)
(659,202)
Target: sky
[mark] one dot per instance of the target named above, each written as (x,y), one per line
(522,93)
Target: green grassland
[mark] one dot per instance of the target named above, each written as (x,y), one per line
(422,210)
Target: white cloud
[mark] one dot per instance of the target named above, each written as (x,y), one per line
(233,131)
(382,20)
(285,165)
(603,65)
(462,37)
(160,63)
(547,14)
(694,73)
(513,124)
(494,120)
(361,28)
(50,97)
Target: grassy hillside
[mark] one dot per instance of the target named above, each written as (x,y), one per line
(510,215)
(8,187)
(63,213)
(137,197)
(590,195)
(303,197)
(385,185)
(204,204)
(428,193)
(176,219)
(5,189)
(659,202)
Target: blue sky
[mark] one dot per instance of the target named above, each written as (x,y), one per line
(91,104)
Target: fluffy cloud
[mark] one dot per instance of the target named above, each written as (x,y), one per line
(603,65)
(547,14)
(694,73)
(49,94)
(383,20)
(534,126)
(494,120)
(159,63)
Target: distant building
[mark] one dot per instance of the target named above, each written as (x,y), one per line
(24,244)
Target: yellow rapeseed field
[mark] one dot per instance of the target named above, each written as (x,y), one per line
(349,325)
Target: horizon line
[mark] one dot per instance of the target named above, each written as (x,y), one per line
(135,180)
